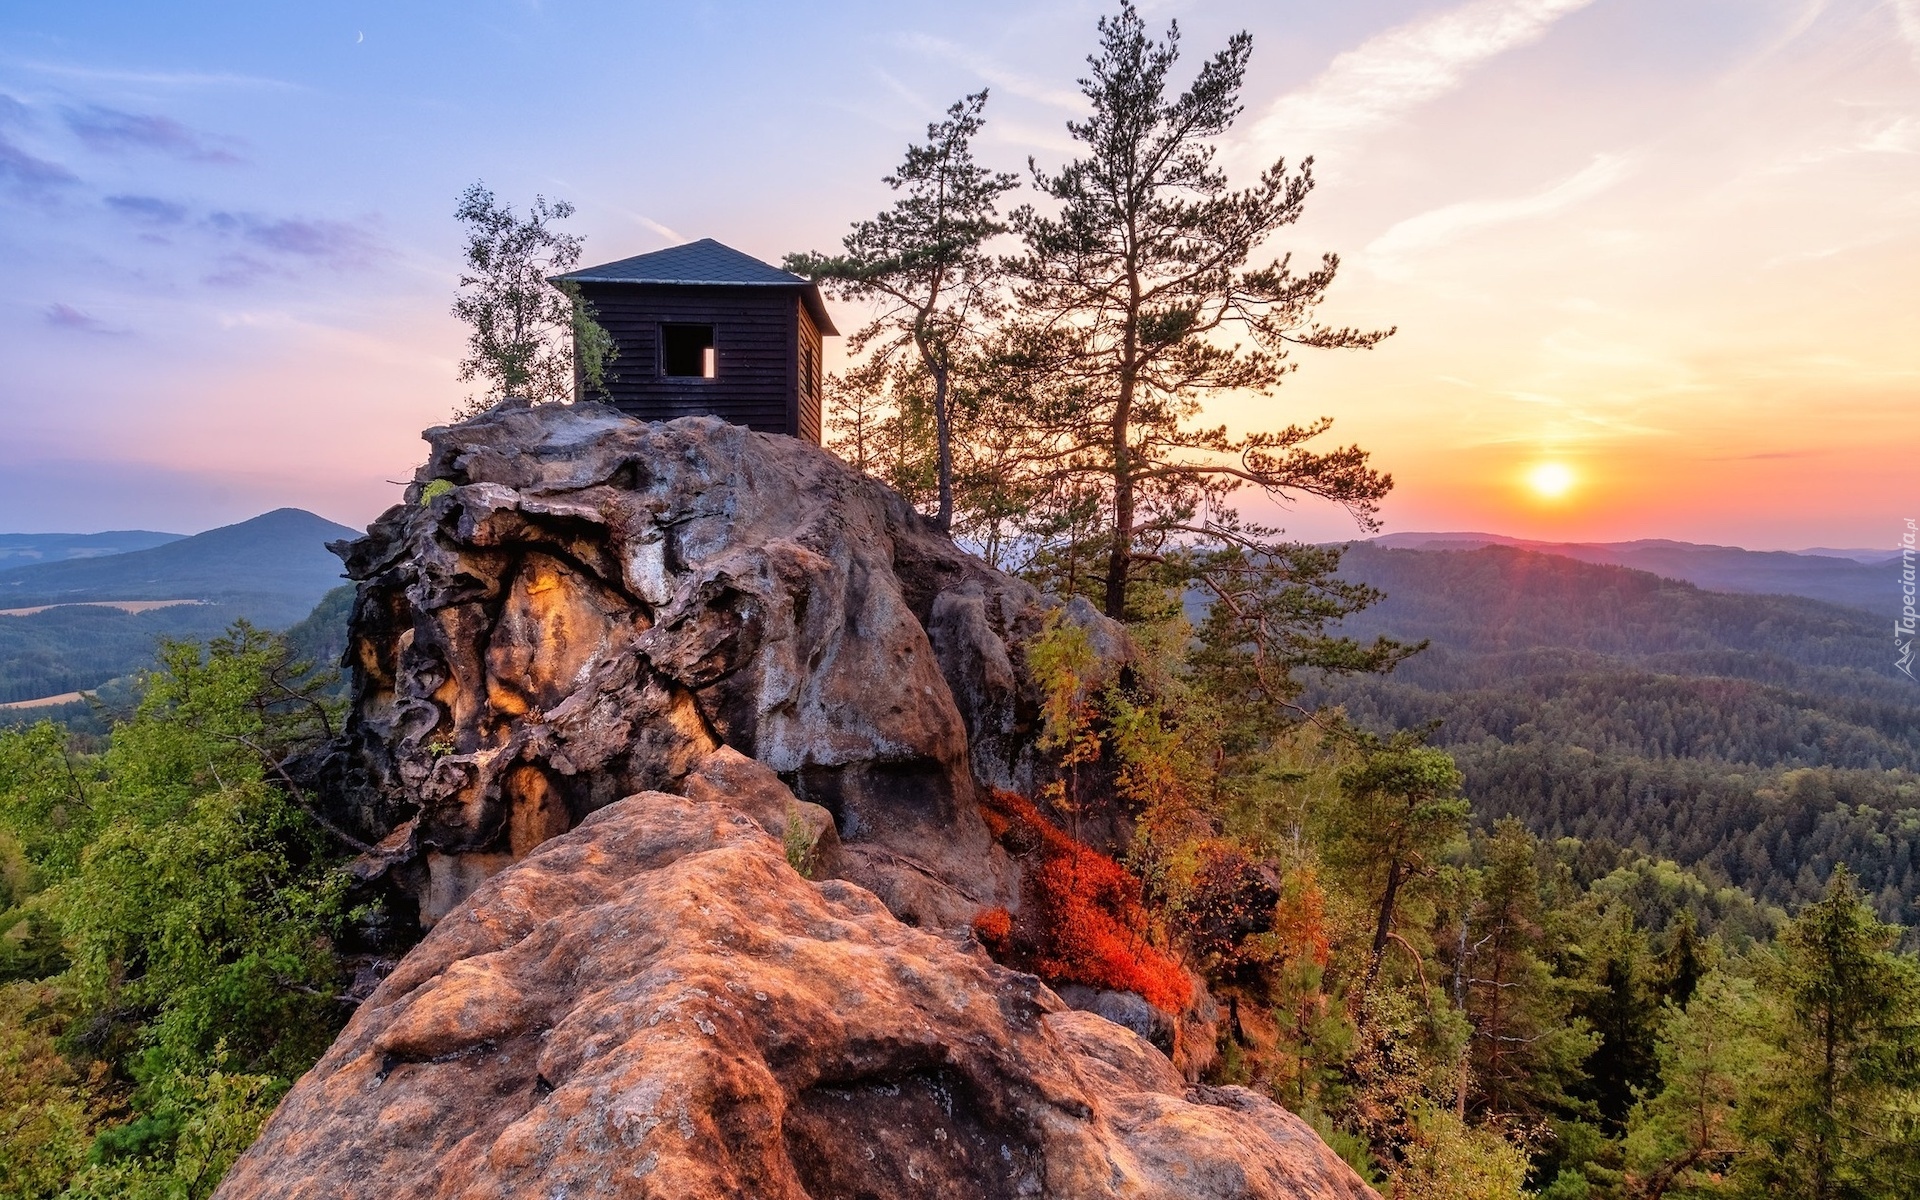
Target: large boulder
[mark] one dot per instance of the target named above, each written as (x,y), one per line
(657,1004)
(574,606)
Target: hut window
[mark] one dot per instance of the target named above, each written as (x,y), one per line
(806,369)
(686,351)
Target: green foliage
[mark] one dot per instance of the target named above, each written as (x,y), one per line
(797,839)
(46,1114)
(1448,1159)
(1619,1001)
(177,970)
(1402,809)
(1836,1115)
(527,338)
(1528,1050)
(1684,1135)
(924,262)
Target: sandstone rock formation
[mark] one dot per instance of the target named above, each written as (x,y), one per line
(656,1004)
(575,606)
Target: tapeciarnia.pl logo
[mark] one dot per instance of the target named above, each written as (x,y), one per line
(1903,626)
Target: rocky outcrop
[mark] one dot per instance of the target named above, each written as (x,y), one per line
(657,1004)
(575,606)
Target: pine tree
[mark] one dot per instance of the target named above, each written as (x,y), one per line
(1684,1136)
(1621,1007)
(1527,1046)
(1400,808)
(1837,1117)
(924,261)
(1128,288)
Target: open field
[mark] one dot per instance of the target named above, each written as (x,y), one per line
(131,606)
(46,701)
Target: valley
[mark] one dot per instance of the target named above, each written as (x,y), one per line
(1758,739)
(71,624)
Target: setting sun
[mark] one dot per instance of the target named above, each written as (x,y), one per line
(1551,480)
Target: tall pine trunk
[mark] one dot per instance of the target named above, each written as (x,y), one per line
(1120,556)
(1383,925)
(943,441)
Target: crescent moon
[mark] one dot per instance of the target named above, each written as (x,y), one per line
(361,38)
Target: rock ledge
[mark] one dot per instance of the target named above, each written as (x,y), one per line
(656,1004)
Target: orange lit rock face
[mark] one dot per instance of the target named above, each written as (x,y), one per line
(656,1004)
(554,628)
(599,603)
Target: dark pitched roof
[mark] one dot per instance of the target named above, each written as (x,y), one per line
(703,262)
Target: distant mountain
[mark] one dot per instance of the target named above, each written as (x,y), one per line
(1838,576)
(25,549)
(1856,553)
(272,569)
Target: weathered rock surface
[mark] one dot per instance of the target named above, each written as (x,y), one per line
(576,606)
(657,1004)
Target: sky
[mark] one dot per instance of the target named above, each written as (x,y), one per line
(1654,264)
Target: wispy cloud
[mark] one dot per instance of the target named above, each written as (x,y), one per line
(111,131)
(148,210)
(177,79)
(270,244)
(23,174)
(1906,15)
(996,74)
(1387,254)
(919,104)
(1389,75)
(66,316)
(648,223)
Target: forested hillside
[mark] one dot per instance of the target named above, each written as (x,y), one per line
(1760,739)
(76,646)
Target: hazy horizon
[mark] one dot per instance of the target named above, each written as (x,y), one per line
(1834,550)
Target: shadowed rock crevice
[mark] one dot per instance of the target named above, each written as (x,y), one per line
(921,1134)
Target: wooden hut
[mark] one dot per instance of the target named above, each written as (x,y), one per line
(705,329)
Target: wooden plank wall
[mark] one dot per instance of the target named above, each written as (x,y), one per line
(807,425)
(754,332)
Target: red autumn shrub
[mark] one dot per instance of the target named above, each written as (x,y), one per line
(993,926)
(1083,921)
(997,823)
